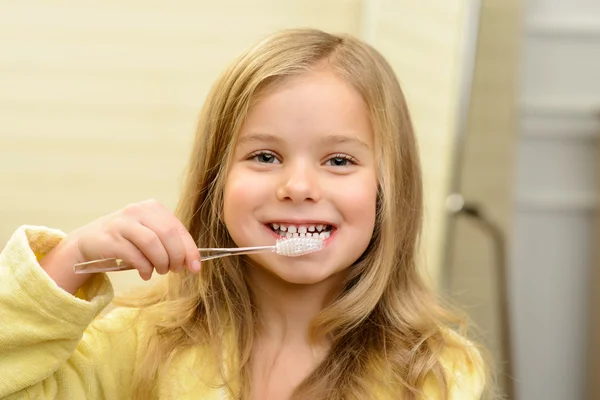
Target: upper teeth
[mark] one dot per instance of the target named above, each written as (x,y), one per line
(289,230)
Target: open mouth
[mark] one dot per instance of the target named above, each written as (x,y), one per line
(319,231)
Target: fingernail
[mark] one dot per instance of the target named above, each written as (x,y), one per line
(195,265)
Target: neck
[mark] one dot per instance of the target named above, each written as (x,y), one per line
(286,310)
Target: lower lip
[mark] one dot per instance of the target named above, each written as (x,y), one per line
(325,242)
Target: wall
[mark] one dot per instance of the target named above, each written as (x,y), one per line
(99,100)
(487,174)
(423,41)
(593,384)
(556,198)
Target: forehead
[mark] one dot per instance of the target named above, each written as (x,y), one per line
(314,103)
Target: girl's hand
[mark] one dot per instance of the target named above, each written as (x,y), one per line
(145,235)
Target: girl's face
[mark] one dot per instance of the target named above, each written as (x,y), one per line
(304,165)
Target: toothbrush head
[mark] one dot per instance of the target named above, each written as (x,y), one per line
(298,246)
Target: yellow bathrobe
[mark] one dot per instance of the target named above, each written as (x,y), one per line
(53,346)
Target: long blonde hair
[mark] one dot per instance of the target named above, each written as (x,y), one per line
(386,324)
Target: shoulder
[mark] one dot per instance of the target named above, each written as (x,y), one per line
(118,319)
(465,367)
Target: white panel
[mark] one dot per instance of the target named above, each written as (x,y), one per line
(567,121)
(561,68)
(561,8)
(574,28)
(556,167)
(557,189)
(550,274)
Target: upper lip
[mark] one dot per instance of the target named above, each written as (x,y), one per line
(305,222)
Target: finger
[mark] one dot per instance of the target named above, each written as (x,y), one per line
(192,255)
(166,227)
(148,242)
(131,255)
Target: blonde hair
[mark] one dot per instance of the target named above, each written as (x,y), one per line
(386,324)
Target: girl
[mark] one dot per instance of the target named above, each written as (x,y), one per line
(307,133)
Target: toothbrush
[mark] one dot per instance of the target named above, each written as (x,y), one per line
(291,247)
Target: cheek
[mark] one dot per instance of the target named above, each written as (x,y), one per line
(362,215)
(244,192)
(360,202)
(236,191)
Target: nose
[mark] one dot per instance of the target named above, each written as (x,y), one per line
(299,184)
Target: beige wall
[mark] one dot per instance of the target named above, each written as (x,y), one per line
(487,172)
(593,383)
(98,101)
(422,40)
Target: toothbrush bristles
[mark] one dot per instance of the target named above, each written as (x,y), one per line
(298,246)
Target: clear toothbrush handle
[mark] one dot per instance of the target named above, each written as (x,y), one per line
(115,264)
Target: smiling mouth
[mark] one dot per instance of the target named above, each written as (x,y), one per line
(319,231)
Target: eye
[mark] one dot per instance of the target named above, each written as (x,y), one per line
(264,157)
(341,160)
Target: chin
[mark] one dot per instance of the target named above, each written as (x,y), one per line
(302,278)
(297,271)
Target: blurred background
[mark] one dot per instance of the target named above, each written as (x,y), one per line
(99,99)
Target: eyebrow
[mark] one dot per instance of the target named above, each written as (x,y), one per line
(260,137)
(329,139)
(341,139)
